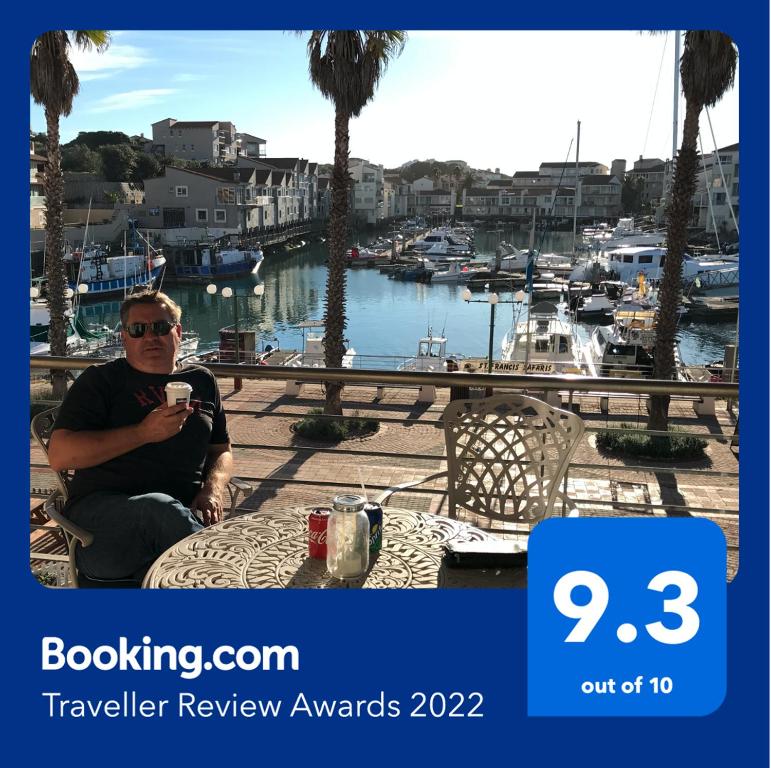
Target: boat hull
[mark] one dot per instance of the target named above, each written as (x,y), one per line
(99,289)
(213,272)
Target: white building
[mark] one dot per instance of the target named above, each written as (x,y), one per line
(713,200)
(368,192)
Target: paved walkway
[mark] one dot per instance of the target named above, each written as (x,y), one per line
(291,471)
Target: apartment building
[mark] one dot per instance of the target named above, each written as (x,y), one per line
(368,191)
(209,141)
(217,201)
(297,195)
(716,202)
(566,172)
(598,197)
(650,175)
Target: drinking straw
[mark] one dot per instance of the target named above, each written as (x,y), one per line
(361,483)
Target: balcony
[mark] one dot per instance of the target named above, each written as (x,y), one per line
(288,471)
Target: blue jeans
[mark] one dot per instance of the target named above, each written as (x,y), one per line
(130,532)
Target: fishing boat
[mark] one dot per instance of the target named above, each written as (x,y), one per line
(198,262)
(625,349)
(431,355)
(312,355)
(544,343)
(106,275)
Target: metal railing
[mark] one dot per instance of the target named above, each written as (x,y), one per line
(533,382)
(626,395)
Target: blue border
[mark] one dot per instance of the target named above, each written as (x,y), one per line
(399,641)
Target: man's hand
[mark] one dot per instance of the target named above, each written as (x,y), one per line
(163,422)
(208,502)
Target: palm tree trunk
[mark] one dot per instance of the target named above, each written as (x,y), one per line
(335,320)
(53,184)
(670,293)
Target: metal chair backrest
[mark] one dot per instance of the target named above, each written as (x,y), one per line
(41,427)
(507,455)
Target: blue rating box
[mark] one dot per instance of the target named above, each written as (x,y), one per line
(626,617)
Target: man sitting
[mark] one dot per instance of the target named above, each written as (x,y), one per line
(142,468)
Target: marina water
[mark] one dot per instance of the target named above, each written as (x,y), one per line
(385,317)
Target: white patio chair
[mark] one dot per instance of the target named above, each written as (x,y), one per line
(507,456)
(41,428)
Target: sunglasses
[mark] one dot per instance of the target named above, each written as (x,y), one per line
(158,328)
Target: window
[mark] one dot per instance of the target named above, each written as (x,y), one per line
(628,258)
(202,214)
(226,196)
(646,258)
(181,191)
(220,216)
(184,146)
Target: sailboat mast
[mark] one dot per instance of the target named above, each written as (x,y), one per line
(575,190)
(125,262)
(676,98)
(85,241)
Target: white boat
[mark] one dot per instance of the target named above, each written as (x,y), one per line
(441,243)
(85,342)
(543,343)
(431,357)
(625,234)
(595,307)
(358,254)
(456,272)
(628,263)
(511,259)
(312,355)
(110,346)
(39,323)
(625,349)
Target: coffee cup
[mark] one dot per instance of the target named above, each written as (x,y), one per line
(178,392)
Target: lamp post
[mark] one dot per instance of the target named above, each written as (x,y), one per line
(227,293)
(492,300)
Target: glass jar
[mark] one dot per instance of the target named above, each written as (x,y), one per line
(348,537)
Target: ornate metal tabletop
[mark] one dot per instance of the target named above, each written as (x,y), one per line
(270,550)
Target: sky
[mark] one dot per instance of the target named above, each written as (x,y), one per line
(498,99)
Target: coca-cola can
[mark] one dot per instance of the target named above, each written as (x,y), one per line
(317,532)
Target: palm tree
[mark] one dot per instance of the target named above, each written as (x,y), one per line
(707,70)
(54,84)
(346,66)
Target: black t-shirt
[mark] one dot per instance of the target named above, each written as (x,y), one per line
(117,395)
